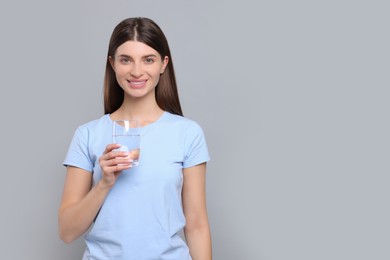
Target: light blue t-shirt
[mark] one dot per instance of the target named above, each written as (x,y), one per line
(142,215)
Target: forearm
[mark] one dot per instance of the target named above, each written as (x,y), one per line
(199,242)
(75,219)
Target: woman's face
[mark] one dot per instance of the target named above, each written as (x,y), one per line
(137,67)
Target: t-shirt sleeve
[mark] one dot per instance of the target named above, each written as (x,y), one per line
(196,150)
(78,153)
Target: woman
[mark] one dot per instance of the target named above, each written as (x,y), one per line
(138,212)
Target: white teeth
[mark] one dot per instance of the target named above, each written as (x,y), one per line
(137,83)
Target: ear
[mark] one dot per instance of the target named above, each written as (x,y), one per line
(164,65)
(111,60)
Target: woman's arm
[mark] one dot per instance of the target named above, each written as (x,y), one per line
(197,229)
(80,201)
(79,204)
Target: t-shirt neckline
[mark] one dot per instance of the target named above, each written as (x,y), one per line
(164,114)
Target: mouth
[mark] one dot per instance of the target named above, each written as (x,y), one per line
(137,83)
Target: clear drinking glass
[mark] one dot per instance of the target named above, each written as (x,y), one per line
(127,133)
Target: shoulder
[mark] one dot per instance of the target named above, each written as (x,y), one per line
(94,126)
(95,122)
(188,128)
(182,121)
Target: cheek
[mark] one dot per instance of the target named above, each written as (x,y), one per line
(120,71)
(120,74)
(118,77)
(157,78)
(154,73)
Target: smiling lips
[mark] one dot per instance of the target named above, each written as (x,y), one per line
(137,83)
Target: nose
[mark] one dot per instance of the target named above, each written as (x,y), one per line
(136,70)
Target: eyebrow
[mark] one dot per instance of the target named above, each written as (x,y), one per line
(145,56)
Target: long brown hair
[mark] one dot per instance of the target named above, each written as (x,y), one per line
(146,31)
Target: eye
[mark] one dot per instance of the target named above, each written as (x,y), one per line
(149,60)
(124,60)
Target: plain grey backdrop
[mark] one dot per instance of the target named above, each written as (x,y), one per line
(293,97)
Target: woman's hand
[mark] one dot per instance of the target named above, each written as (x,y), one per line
(113,163)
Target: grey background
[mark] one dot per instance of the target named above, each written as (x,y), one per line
(293,97)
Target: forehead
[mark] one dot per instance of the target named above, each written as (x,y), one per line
(135,49)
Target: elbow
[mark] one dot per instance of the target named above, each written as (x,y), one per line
(65,235)
(66,238)
(65,231)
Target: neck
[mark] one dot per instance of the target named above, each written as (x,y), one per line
(147,111)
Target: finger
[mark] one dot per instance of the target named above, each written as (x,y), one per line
(111,147)
(115,165)
(108,157)
(123,159)
(116,169)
